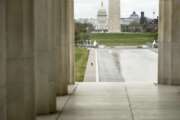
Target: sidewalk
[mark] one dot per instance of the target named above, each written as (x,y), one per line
(90,74)
(121,101)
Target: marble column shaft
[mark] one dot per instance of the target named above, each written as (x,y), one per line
(17,100)
(3,87)
(169,42)
(70,39)
(61,46)
(44,56)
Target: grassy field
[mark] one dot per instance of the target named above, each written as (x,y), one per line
(115,39)
(81,58)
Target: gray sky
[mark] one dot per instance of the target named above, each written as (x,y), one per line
(89,8)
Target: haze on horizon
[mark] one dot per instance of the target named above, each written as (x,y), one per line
(89,8)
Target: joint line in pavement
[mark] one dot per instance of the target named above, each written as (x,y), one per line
(129,102)
(97,69)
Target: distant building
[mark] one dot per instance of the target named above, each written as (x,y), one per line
(130,24)
(152,25)
(148,24)
(133,23)
(132,18)
(102,21)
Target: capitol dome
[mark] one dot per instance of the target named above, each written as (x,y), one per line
(102,11)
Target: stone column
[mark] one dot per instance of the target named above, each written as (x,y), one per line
(62,79)
(72,45)
(44,56)
(164,42)
(17,100)
(70,39)
(169,57)
(3,87)
(52,55)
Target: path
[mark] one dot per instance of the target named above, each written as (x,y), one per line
(133,97)
(90,74)
(130,65)
(120,101)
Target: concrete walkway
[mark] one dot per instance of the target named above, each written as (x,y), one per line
(127,64)
(121,101)
(90,74)
(133,99)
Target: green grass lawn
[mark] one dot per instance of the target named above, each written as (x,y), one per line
(115,39)
(81,58)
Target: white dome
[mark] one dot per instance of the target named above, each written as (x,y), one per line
(102,12)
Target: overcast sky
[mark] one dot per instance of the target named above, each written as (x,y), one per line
(89,8)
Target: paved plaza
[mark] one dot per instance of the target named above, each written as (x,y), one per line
(125,90)
(122,65)
(127,65)
(120,101)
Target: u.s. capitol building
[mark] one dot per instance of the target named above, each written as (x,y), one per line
(104,21)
